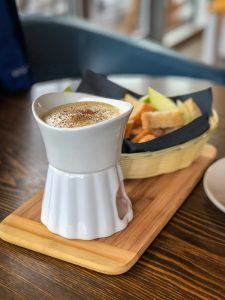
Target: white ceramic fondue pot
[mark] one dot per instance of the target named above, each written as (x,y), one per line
(84,195)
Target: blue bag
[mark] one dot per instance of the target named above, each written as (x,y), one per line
(14,69)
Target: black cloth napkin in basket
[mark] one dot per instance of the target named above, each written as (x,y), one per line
(99,85)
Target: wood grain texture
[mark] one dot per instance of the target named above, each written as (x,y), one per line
(154,201)
(186,261)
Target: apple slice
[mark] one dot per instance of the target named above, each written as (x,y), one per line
(68,89)
(145,99)
(160,102)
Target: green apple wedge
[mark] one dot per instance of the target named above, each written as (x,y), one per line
(68,89)
(145,99)
(160,102)
(185,112)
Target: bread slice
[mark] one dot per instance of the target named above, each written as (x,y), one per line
(147,138)
(193,108)
(138,137)
(138,107)
(136,130)
(128,129)
(162,119)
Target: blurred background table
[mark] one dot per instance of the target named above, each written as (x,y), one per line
(186,261)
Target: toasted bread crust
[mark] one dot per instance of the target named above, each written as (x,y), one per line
(193,108)
(163,119)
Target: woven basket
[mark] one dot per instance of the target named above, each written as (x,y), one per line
(148,164)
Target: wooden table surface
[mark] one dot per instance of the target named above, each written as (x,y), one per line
(186,261)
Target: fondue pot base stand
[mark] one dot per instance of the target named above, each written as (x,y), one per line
(85,206)
(155,200)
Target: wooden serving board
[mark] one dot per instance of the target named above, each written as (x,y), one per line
(155,200)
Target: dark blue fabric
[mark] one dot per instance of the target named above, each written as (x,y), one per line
(14,70)
(99,85)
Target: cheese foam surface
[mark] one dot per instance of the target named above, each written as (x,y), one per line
(80,114)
